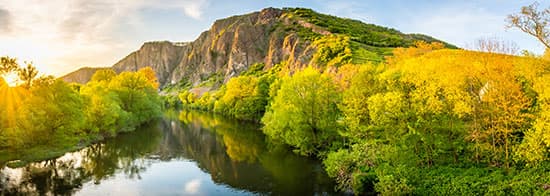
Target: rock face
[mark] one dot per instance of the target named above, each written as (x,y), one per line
(163,57)
(233,44)
(81,75)
(230,47)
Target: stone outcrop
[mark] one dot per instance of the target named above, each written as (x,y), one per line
(228,48)
(81,75)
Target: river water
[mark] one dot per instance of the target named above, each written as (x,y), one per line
(184,153)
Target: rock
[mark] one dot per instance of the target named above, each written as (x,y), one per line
(82,75)
(228,48)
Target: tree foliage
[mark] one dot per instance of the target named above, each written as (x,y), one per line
(48,113)
(304,112)
(533,22)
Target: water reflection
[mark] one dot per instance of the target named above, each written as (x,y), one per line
(185,153)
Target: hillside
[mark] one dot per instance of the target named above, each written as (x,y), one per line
(293,36)
(82,75)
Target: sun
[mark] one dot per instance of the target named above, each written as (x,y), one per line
(11,79)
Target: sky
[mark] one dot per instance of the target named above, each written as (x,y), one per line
(60,36)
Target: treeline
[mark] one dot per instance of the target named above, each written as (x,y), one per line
(46,115)
(428,121)
(244,97)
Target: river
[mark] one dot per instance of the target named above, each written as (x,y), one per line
(183,153)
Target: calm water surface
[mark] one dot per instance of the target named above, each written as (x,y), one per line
(185,153)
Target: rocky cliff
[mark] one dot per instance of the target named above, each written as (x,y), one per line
(81,75)
(294,36)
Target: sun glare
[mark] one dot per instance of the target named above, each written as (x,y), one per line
(11,79)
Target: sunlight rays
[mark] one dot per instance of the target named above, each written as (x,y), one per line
(11,79)
(11,98)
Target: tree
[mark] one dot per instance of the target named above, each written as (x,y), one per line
(53,111)
(304,112)
(243,97)
(28,74)
(103,75)
(494,45)
(533,22)
(103,112)
(354,108)
(535,146)
(149,73)
(8,64)
(138,97)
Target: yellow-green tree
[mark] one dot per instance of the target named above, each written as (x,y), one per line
(103,112)
(53,111)
(137,95)
(535,146)
(304,112)
(103,75)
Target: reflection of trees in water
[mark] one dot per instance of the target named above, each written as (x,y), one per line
(65,175)
(47,177)
(235,153)
(122,154)
(232,152)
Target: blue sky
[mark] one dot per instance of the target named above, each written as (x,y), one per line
(60,36)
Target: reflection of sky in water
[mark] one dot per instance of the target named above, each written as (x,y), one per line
(14,175)
(193,186)
(162,178)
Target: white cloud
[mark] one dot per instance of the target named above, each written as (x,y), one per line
(60,35)
(194,8)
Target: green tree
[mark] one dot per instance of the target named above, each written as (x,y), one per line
(138,97)
(53,111)
(244,98)
(535,147)
(103,111)
(354,108)
(304,112)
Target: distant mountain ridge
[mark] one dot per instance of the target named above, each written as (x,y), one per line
(296,37)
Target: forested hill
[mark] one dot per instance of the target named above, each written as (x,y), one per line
(292,36)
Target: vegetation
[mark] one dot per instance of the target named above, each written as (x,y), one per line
(339,41)
(59,116)
(303,114)
(368,34)
(533,22)
(427,121)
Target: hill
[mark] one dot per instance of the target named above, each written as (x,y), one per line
(82,75)
(295,37)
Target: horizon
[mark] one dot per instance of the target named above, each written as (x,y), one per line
(100,33)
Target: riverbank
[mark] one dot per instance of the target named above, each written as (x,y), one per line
(183,153)
(54,117)
(19,157)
